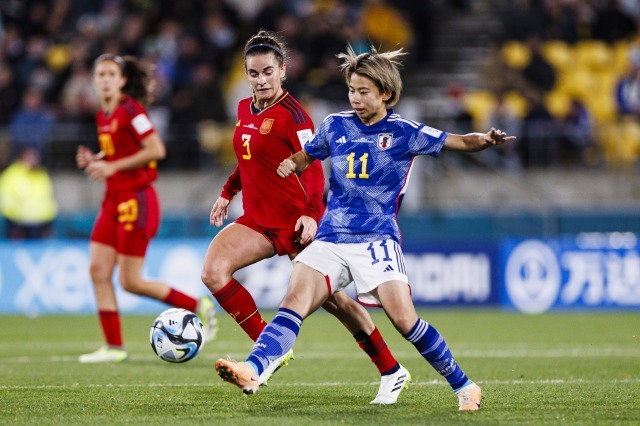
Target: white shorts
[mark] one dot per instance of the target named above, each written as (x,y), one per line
(366,264)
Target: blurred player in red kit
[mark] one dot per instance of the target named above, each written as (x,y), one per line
(280,216)
(130,213)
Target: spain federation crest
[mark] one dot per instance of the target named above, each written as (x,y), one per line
(265,127)
(385,140)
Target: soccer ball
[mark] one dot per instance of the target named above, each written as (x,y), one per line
(176,335)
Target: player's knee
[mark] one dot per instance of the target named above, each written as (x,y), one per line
(131,284)
(99,273)
(215,275)
(403,322)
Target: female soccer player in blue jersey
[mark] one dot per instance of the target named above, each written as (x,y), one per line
(280,215)
(372,151)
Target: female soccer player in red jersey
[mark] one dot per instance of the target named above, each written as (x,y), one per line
(280,216)
(130,212)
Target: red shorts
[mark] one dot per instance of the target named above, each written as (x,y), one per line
(128,220)
(284,242)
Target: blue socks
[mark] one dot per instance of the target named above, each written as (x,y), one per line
(434,349)
(276,339)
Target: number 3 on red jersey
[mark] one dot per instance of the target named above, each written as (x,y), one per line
(246,139)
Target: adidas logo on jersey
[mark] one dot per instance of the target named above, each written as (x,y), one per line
(388,268)
(342,139)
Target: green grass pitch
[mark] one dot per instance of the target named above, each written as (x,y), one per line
(578,368)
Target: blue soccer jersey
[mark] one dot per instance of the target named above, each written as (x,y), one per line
(370,168)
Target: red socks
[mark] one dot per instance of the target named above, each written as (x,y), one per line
(110,321)
(238,302)
(377,349)
(178,299)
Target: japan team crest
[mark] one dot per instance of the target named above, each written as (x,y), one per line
(265,127)
(385,140)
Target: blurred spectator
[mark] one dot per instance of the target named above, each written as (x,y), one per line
(189,54)
(130,35)
(630,7)
(270,11)
(454,114)
(576,132)
(495,74)
(538,72)
(321,41)
(329,81)
(538,141)
(221,38)
(504,156)
(31,125)
(523,18)
(208,108)
(34,56)
(26,197)
(9,94)
(13,44)
(628,89)
(561,21)
(79,100)
(612,24)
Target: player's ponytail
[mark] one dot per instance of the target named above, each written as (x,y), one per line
(139,79)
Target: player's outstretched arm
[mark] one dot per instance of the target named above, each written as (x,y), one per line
(472,142)
(294,164)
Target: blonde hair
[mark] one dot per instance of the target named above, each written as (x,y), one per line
(381,68)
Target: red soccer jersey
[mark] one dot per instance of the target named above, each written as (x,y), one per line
(262,139)
(120,135)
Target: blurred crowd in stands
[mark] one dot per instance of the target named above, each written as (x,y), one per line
(564,75)
(47,48)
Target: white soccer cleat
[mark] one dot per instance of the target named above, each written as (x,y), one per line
(469,398)
(275,366)
(206,311)
(104,354)
(240,374)
(391,385)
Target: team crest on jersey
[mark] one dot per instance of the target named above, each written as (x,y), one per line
(385,140)
(265,127)
(114,125)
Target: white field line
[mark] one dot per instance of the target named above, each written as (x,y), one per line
(488,354)
(552,382)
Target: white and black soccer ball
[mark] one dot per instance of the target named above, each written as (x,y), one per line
(176,335)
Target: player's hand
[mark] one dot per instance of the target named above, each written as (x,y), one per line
(84,156)
(309,228)
(219,212)
(497,137)
(286,168)
(100,170)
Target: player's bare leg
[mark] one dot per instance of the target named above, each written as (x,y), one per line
(102,264)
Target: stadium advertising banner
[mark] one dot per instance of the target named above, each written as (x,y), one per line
(589,271)
(52,277)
